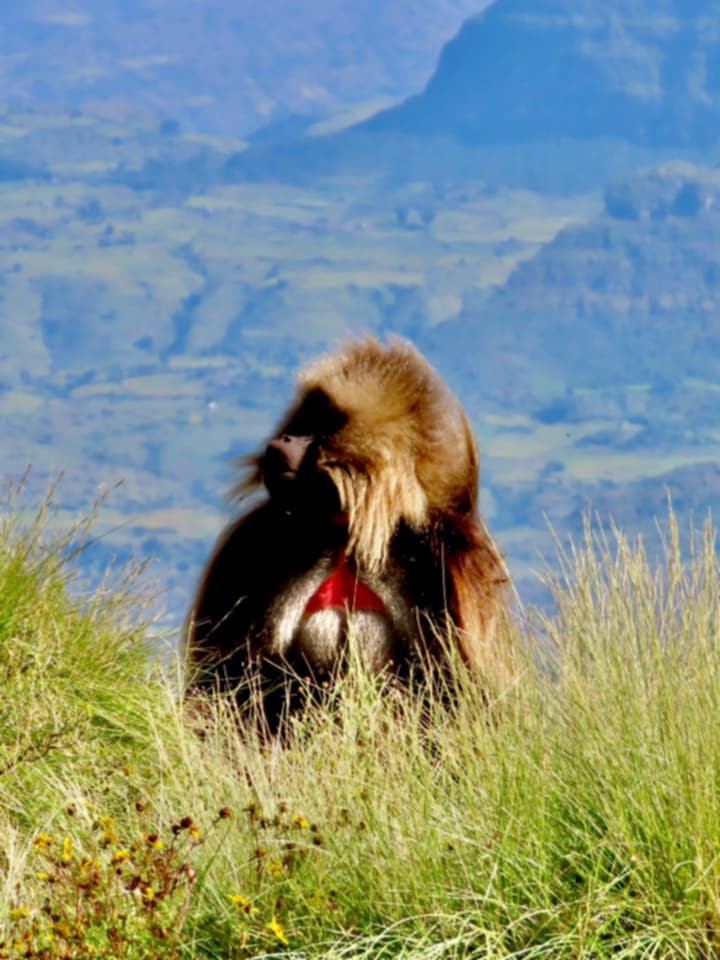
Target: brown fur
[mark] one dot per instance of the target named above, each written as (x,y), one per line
(403,458)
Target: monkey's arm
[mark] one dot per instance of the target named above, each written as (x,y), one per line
(232,626)
(227,613)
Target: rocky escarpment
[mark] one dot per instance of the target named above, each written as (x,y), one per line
(647,71)
(631,296)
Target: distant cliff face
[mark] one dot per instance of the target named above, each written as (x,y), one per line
(224,66)
(632,296)
(647,71)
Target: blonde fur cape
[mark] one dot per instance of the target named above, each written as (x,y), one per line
(406,453)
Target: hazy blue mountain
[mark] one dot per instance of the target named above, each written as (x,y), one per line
(222,66)
(630,297)
(591,91)
(155,306)
(647,71)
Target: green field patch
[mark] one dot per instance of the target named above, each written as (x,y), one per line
(244,422)
(221,144)
(443,306)
(696,384)
(215,203)
(541,229)
(626,467)
(199,363)
(19,402)
(508,420)
(133,269)
(141,64)
(182,522)
(349,116)
(278,203)
(87,168)
(57,121)
(153,385)
(494,272)
(545,441)
(10,132)
(359,277)
(169,226)
(469,226)
(59,199)
(162,385)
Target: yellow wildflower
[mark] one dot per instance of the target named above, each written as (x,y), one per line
(301,822)
(120,855)
(241,902)
(19,913)
(109,833)
(275,927)
(149,893)
(43,841)
(67,850)
(275,869)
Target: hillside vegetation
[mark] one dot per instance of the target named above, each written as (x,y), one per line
(578,817)
(221,67)
(162,326)
(541,221)
(630,296)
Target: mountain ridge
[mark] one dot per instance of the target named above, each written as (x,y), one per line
(599,305)
(645,71)
(220,67)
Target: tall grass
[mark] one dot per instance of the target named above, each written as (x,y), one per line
(577,817)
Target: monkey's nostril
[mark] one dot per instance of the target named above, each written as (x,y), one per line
(277,471)
(274,458)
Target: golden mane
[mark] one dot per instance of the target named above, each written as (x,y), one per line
(406,451)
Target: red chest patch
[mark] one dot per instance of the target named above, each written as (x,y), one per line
(343,590)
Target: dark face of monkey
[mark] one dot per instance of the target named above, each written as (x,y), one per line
(289,465)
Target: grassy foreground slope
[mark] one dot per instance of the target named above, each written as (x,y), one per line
(579,817)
